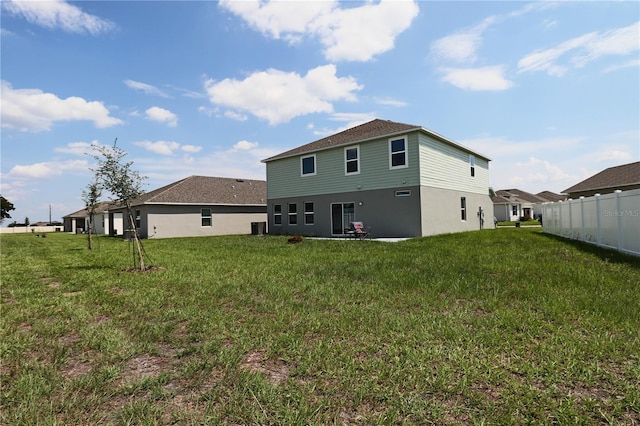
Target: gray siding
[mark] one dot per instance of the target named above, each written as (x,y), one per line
(386,214)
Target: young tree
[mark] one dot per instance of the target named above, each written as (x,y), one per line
(5,207)
(125,184)
(91,197)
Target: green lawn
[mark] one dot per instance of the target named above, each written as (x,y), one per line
(506,326)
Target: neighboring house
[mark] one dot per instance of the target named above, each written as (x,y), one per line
(624,177)
(200,206)
(514,204)
(549,196)
(401,180)
(78,222)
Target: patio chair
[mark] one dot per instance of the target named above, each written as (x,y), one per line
(358,230)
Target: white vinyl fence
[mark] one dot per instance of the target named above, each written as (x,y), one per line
(610,220)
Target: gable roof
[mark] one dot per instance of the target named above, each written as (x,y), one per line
(504,196)
(551,196)
(101,207)
(612,178)
(373,129)
(208,190)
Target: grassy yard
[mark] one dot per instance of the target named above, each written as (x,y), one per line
(507,326)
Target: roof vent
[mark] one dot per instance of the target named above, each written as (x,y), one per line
(239,180)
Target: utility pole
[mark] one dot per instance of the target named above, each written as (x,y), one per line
(49,214)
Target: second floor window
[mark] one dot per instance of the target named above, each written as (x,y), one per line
(352,160)
(472,164)
(308,165)
(398,153)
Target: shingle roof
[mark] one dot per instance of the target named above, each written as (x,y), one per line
(504,196)
(551,196)
(618,176)
(208,190)
(100,208)
(373,129)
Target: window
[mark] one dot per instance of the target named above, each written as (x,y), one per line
(293,214)
(463,208)
(137,219)
(352,160)
(398,153)
(403,193)
(514,210)
(472,164)
(308,165)
(309,218)
(277,214)
(205,217)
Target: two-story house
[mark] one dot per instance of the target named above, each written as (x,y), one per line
(401,180)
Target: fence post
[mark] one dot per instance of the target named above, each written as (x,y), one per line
(598,232)
(570,219)
(582,218)
(619,219)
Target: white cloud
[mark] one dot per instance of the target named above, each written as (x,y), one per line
(278,96)
(583,50)
(459,47)
(349,119)
(359,33)
(162,115)
(390,102)
(145,88)
(32,110)
(47,169)
(191,148)
(274,18)
(633,63)
(350,34)
(245,145)
(167,147)
(463,45)
(78,148)
(477,79)
(56,14)
(236,115)
(159,147)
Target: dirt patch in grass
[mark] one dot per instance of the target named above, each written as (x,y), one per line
(256,361)
(143,367)
(76,367)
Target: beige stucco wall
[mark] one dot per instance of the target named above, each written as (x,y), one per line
(441,211)
(159,221)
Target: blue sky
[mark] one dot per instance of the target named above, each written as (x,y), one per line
(548,90)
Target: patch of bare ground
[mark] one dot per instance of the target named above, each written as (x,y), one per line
(74,368)
(117,291)
(69,339)
(143,367)
(256,361)
(24,327)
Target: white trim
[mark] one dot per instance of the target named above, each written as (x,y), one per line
(405,151)
(357,160)
(315,165)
